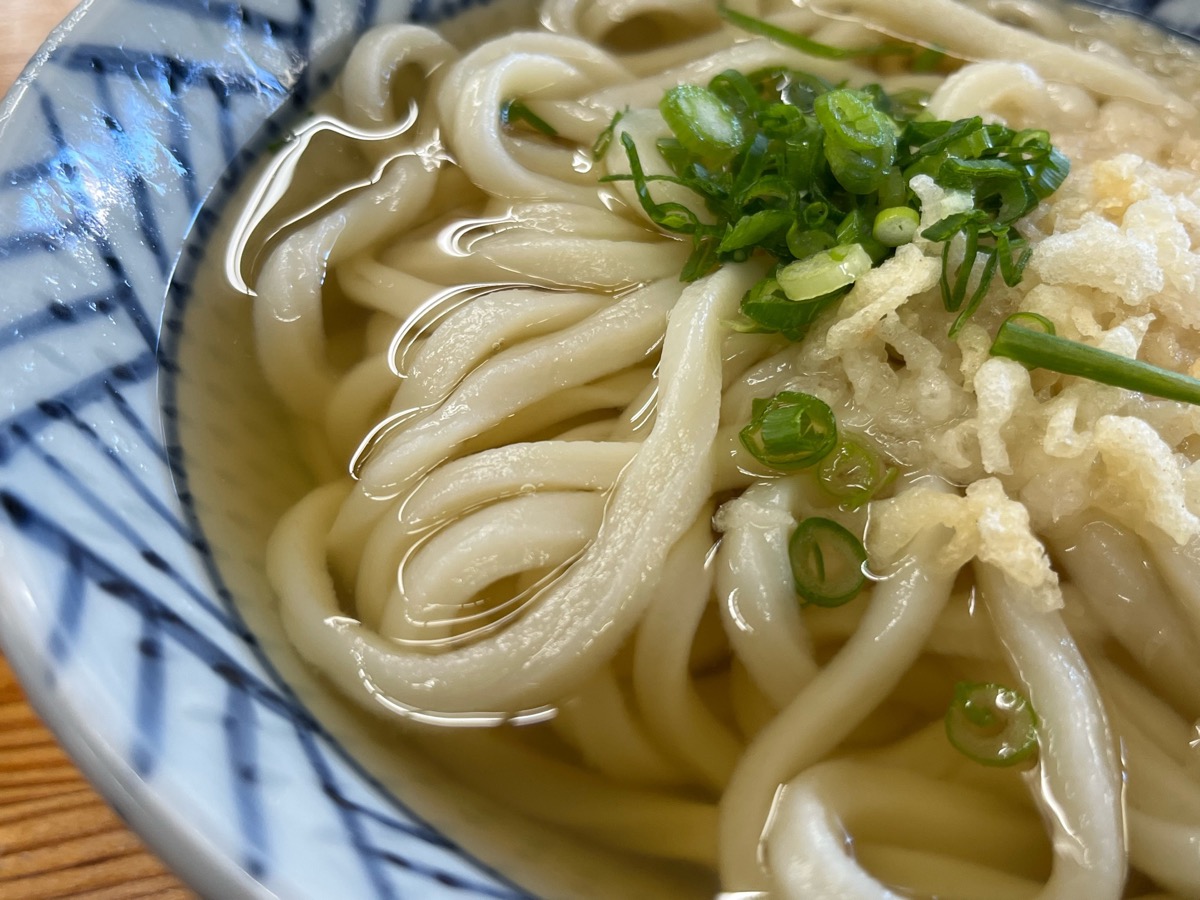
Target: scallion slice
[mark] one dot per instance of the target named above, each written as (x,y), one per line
(992,724)
(823,272)
(860,139)
(789,167)
(669,216)
(702,122)
(853,473)
(896,225)
(513,112)
(604,139)
(790,431)
(804,44)
(750,230)
(767,309)
(1041,348)
(827,562)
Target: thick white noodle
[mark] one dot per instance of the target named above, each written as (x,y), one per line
(287,315)
(1079,777)
(756,591)
(602,726)
(1180,569)
(1108,564)
(468,484)
(970,34)
(550,514)
(372,79)
(903,610)
(1163,798)
(586,614)
(616,336)
(593,21)
(461,560)
(673,709)
(845,812)
(634,819)
(522,66)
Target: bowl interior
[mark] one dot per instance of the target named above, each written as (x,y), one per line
(147,633)
(240,466)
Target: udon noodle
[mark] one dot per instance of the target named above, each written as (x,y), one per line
(534,511)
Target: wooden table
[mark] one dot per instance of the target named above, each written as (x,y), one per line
(57,837)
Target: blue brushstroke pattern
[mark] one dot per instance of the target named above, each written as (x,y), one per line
(252,694)
(165,541)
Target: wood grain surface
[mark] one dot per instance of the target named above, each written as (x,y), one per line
(57,836)
(25,25)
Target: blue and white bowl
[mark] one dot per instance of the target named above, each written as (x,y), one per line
(124,540)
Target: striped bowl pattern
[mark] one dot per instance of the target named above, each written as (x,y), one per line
(126,133)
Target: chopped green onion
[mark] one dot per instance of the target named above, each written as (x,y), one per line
(755,228)
(767,309)
(860,139)
(893,191)
(789,166)
(702,122)
(803,44)
(929,143)
(702,261)
(896,225)
(802,242)
(827,562)
(972,304)
(1042,348)
(927,60)
(790,431)
(823,272)
(856,228)
(1012,270)
(513,112)
(853,473)
(671,216)
(604,139)
(992,724)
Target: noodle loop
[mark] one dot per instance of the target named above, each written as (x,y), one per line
(538,510)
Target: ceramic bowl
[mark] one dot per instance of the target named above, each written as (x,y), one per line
(132,603)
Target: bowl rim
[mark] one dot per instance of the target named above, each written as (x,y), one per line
(210,864)
(293,49)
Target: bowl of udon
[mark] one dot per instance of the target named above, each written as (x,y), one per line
(614,449)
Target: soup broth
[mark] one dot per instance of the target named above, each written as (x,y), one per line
(473,458)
